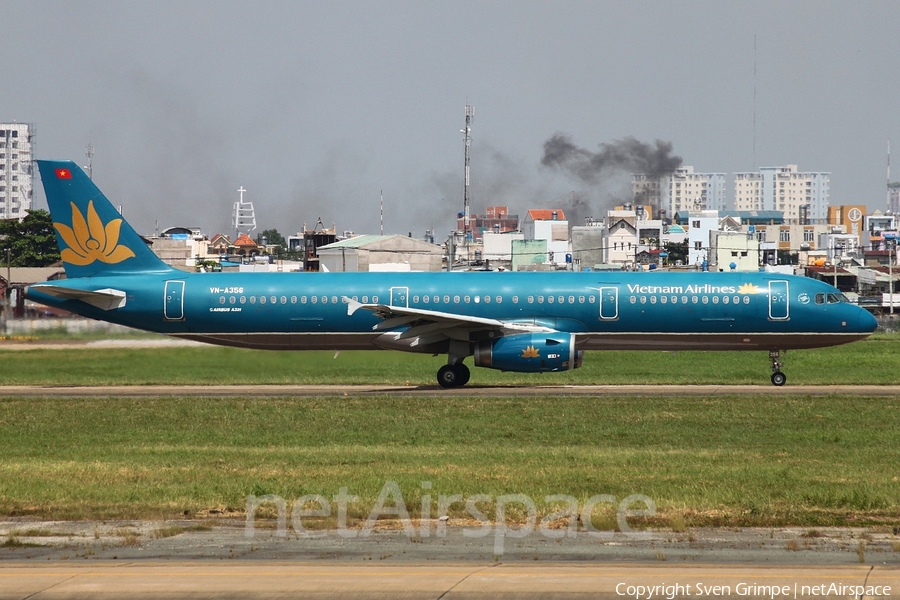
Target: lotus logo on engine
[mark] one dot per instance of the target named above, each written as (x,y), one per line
(531,352)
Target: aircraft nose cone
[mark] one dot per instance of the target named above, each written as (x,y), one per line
(867,321)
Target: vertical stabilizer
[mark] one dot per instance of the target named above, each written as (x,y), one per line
(93,237)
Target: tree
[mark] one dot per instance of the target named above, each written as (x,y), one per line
(273,238)
(30,242)
(677,251)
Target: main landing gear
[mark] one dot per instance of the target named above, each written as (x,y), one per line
(453,375)
(778,378)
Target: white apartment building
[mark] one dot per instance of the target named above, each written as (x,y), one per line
(802,197)
(685,190)
(551,225)
(16,169)
(702,223)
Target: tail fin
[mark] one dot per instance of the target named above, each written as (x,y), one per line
(93,237)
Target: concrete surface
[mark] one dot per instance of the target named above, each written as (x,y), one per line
(240,579)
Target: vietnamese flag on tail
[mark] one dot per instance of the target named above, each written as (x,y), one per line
(63,174)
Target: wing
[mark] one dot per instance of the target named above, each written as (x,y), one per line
(433,325)
(105,299)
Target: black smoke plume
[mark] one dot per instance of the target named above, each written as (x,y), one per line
(629,155)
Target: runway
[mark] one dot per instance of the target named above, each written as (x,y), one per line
(612,391)
(249,579)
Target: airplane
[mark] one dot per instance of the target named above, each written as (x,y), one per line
(521,322)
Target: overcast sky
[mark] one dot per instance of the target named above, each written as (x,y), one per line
(316,107)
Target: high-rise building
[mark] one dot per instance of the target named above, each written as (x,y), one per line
(16,169)
(894,197)
(645,191)
(685,190)
(801,197)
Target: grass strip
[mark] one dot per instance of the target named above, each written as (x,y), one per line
(753,460)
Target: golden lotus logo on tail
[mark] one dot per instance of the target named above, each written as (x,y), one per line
(531,352)
(88,240)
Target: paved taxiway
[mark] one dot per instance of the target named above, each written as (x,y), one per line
(12,391)
(242,579)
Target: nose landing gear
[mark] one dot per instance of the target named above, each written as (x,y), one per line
(778,378)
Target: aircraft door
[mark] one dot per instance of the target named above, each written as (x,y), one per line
(173,309)
(400,297)
(779,310)
(609,303)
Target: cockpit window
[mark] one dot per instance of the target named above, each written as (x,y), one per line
(831,298)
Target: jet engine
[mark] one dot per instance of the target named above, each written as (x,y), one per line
(529,353)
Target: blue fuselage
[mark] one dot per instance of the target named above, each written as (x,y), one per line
(618,310)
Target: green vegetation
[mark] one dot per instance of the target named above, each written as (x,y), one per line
(750,460)
(873,361)
(704,461)
(30,242)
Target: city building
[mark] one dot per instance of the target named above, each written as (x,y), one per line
(802,197)
(588,244)
(219,244)
(893,200)
(701,225)
(734,251)
(309,241)
(839,247)
(686,190)
(850,217)
(551,225)
(882,238)
(16,169)
(380,253)
(496,219)
(645,191)
(621,238)
(529,255)
(497,247)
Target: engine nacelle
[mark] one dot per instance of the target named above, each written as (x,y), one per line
(529,353)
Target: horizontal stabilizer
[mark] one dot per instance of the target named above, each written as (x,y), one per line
(105,299)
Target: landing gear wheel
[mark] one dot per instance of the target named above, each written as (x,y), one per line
(463,373)
(778,378)
(451,376)
(447,377)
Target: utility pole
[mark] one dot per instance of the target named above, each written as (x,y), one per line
(891,243)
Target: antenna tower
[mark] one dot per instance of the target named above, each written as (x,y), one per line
(89,152)
(244,217)
(467,136)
